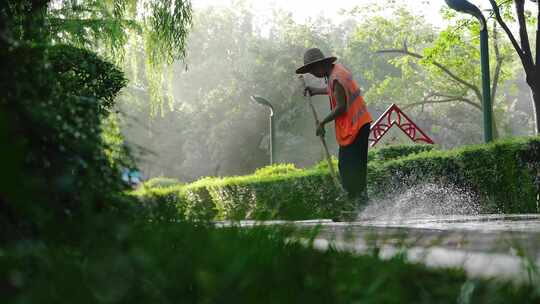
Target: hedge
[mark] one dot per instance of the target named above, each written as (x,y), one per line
(397,151)
(504,176)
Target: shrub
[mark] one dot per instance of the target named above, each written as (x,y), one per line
(53,102)
(397,151)
(161,182)
(503,176)
(276,169)
(159,204)
(323,164)
(383,154)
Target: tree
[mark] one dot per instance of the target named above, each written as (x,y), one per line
(213,128)
(61,164)
(419,67)
(455,79)
(523,48)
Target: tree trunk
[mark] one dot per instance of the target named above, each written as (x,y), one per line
(536,106)
(494,128)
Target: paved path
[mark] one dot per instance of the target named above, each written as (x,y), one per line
(502,246)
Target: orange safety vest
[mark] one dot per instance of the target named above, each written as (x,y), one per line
(357,115)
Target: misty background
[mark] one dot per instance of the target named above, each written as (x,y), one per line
(201,122)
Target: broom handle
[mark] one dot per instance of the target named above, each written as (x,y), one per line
(323,141)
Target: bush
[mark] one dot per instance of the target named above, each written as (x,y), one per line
(53,102)
(161,182)
(323,164)
(394,152)
(158,204)
(503,175)
(276,169)
(383,154)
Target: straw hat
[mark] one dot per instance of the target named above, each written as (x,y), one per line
(311,57)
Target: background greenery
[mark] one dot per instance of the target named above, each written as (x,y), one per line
(208,126)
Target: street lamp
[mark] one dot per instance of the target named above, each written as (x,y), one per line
(265,102)
(465,6)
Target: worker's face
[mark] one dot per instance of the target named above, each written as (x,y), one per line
(319,70)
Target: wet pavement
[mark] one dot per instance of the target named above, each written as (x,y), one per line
(501,246)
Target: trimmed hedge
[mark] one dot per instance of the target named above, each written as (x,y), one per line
(398,151)
(381,154)
(161,182)
(262,197)
(504,175)
(160,204)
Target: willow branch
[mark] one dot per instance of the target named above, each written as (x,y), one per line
(82,22)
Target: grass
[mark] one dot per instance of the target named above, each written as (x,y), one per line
(195,263)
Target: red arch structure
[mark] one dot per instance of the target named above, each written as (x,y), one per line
(394,116)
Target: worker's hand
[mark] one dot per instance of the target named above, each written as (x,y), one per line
(320,129)
(308,91)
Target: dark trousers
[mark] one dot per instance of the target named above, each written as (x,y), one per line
(353,164)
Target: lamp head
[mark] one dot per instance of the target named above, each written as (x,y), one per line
(262,101)
(465,6)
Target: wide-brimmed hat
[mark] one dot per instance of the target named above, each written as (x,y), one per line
(311,57)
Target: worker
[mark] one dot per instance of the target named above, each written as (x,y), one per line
(351,117)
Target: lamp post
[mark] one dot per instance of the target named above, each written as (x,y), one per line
(465,6)
(265,102)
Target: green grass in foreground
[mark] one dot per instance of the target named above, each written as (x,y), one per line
(184,263)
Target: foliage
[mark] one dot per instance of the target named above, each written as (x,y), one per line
(161,263)
(118,153)
(54,101)
(59,132)
(394,152)
(158,204)
(161,182)
(502,175)
(157,29)
(214,129)
(109,25)
(383,154)
(276,169)
(434,74)
(211,128)
(527,55)
(259,197)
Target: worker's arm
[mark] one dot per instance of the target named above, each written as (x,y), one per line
(312,91)
(340,109)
